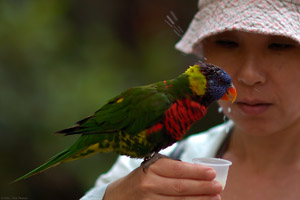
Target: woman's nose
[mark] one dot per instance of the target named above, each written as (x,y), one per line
(251,71)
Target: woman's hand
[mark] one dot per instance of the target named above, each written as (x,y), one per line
(167,179)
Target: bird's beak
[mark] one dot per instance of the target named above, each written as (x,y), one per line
(230,94)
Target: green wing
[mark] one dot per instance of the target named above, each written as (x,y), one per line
(132,111)
(127,114)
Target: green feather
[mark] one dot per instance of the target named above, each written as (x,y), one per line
(85,146)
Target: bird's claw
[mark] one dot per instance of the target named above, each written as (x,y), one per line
(149,160)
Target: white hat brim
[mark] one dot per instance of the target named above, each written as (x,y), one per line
(270,17)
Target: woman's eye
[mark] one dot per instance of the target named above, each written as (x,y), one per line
(280,46)
(227,43)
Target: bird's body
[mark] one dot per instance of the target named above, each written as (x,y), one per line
(143,120)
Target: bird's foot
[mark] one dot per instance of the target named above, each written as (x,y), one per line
(149,160)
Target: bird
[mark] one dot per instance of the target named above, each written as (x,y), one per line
(143,120)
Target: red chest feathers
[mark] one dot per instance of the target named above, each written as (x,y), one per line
(181,115)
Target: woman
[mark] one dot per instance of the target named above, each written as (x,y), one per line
(257,43)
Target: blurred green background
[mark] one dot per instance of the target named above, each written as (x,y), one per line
(60,60)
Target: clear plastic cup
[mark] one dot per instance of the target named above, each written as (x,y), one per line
(221,167)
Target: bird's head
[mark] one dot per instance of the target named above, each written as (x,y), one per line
(211,83)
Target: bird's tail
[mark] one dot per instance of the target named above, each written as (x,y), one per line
(55,160)
(84,147)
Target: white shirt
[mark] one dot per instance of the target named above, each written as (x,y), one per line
(205,144)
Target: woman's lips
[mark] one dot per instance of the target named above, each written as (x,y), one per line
(253,108)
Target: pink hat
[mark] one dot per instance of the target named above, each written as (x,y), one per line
(276,17)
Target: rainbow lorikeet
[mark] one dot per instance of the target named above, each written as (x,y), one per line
(143,120)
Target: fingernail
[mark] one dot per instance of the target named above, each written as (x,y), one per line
(217,185)
(217,197)
(211,173)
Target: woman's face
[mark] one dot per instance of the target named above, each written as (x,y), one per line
(265,70)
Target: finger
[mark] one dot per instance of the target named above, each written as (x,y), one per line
(183,187)
(179,187)
(177,169)
(204,197)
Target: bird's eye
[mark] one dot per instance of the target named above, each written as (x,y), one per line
(220,80)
